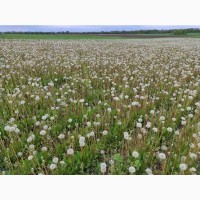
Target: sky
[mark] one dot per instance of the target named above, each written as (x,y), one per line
(94,28)
(100,12)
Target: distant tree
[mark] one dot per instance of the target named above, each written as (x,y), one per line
(180,32)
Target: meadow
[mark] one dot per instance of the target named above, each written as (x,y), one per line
(33,36)
(94,36)
(124,107)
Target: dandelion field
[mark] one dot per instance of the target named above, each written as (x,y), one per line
(100,106)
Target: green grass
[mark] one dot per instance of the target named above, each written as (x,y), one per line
(196,35)
(79,36)
(53,36)
(89,36)
(54,93)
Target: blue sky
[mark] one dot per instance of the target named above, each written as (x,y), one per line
(82,28)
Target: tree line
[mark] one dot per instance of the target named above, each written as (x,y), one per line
(155,31)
